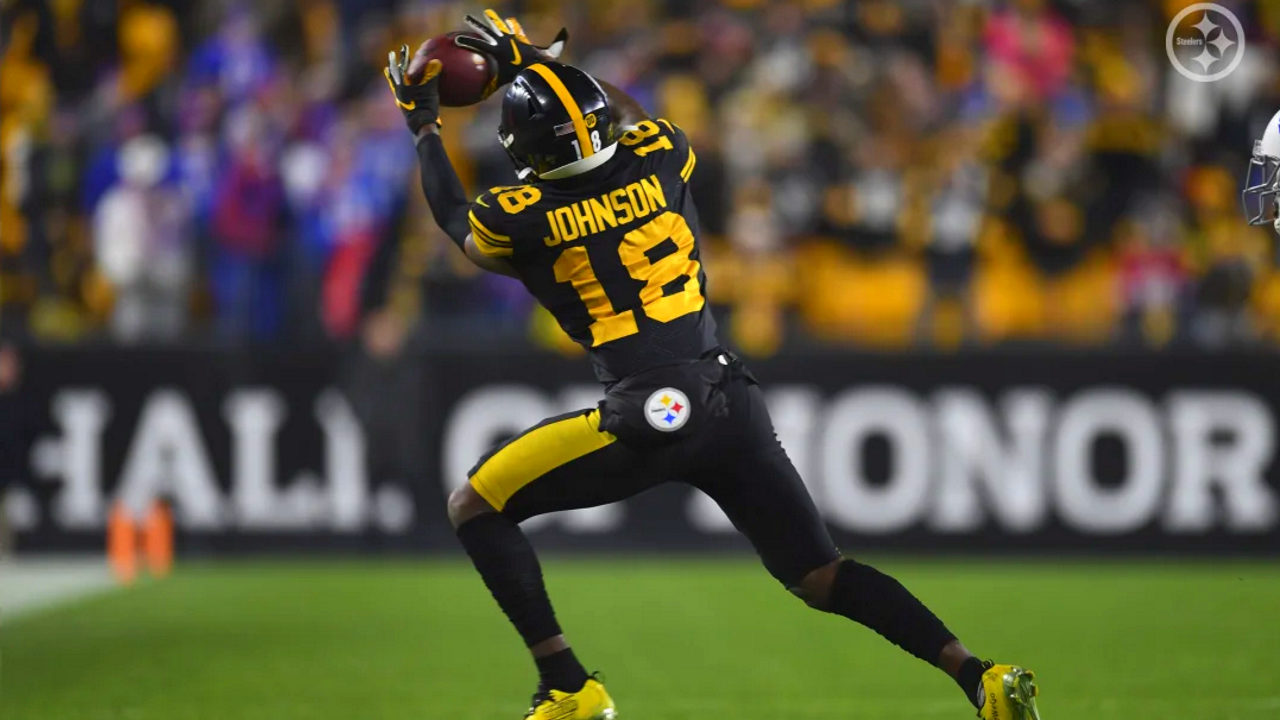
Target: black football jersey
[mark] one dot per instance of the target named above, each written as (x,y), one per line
(612,253)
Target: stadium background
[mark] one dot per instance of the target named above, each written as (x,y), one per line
(945,175)
(988,258)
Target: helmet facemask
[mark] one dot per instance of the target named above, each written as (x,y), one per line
(525,173)
(1261,187)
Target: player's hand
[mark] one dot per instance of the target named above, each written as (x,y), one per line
(420,101)
(505,41)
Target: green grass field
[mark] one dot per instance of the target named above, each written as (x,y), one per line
(685,639)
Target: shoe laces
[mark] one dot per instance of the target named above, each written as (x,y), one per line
(543,693)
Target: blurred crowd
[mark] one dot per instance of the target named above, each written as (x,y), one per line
(871,173)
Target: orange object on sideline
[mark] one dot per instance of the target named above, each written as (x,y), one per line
(122,544)
(157,539)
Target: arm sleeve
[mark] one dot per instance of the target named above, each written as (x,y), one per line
(444,191)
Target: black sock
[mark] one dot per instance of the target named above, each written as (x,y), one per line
(868,596)
(506,561)
(561,671)
(969,678)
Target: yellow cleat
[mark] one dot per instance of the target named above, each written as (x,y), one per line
(592,702)
(1010,693)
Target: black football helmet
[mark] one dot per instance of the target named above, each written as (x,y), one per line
(556,122)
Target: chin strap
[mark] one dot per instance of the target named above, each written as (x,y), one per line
(577,167)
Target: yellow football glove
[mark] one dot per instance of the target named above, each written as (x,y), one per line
(505,42)
(420,101)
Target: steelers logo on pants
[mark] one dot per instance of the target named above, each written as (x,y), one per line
(667,409)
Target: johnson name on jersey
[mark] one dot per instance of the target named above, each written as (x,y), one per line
(611,253)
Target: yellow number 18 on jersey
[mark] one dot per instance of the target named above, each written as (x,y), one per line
(573,266)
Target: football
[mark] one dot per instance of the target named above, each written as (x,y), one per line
(465,74)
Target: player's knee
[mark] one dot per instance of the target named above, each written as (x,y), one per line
(815,588)
(464,504)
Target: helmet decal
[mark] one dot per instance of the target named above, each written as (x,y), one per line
(556,122)
(570,105)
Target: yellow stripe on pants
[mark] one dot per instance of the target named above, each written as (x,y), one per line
(536,453)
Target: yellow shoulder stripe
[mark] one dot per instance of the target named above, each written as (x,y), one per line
(571,105)
(489,242)
(687,170)
(487,249)
(497,238)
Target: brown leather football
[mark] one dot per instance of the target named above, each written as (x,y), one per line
(465,74)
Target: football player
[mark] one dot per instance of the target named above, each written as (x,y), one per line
(604,234)
(1261,194)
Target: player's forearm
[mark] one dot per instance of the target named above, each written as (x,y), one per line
(445,194)
(627,110)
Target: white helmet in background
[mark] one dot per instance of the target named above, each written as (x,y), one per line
(1262,182)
